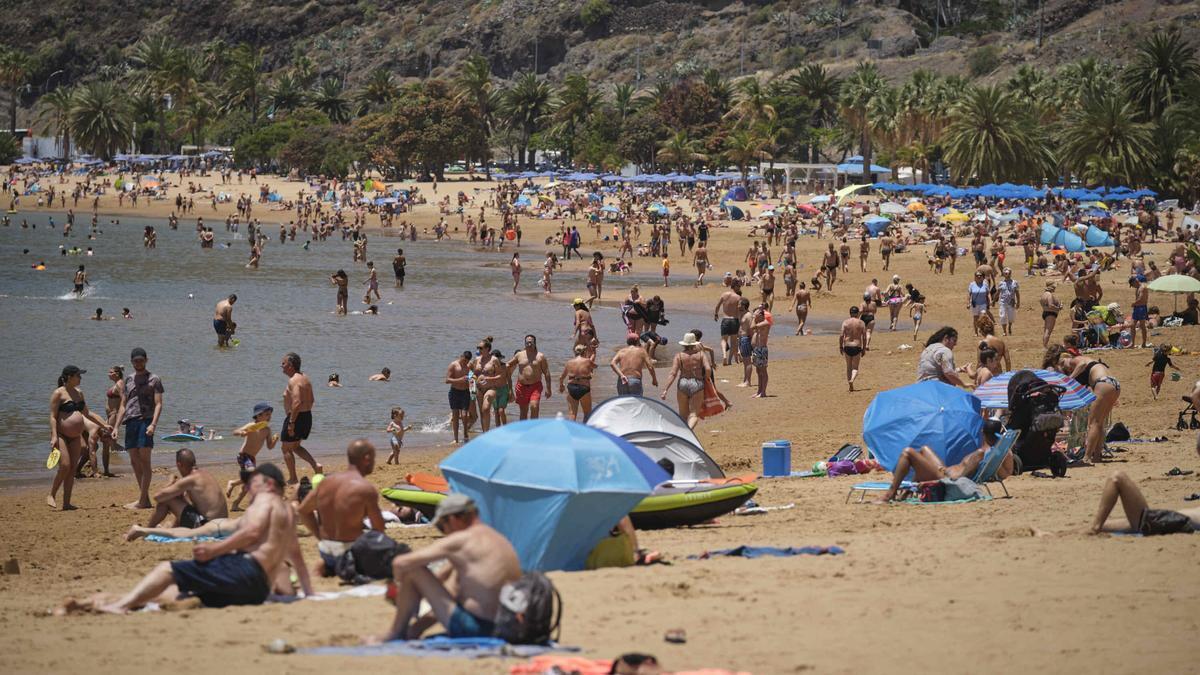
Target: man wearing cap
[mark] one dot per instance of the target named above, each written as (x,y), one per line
(1010,300)
(335,509)
(628,363)
(143,405)
(465,595)
(1141,310)
(237,570)
(194,497)
(533,378)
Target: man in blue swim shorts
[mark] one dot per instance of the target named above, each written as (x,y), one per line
(223,320)
(481,562)
(236,570)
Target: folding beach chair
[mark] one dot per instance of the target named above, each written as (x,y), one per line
(986,473)
(990,465)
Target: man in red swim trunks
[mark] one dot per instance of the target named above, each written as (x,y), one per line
(533,378)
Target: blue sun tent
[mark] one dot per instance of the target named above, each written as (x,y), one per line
(733,212)
(737,193)
(1097,237)
(1060,237)
(876,224)
(552,487)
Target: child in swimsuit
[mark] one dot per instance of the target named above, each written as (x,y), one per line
(396,430)
(255,435)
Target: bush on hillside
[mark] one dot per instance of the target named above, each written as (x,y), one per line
(595,13)
(983,60)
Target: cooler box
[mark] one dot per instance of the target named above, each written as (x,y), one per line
(777,458)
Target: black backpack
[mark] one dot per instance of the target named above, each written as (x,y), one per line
(530,611)
(369,558)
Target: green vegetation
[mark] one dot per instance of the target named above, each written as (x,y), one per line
(595,12)
(1138,124)
(983,60)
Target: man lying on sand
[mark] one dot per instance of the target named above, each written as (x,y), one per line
(235,571)
(335,509)
(465,594)
(194,498)
(926,465)
(1139,517)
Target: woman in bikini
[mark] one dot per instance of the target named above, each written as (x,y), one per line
(894,298)
(577,373)
(68,415)
(114,400)
(515,266)
(1051,306)
(690,368)
(1094,374)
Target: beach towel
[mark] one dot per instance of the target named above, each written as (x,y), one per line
(441,646)
(768,551)
(161,539)
(565,664)
(712,402)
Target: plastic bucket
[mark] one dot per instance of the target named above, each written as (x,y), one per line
(777,458)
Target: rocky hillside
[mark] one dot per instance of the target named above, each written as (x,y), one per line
(613,40)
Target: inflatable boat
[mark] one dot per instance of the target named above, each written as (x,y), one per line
(676,504)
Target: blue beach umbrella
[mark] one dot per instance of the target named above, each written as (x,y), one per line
(552,487)
(930,413)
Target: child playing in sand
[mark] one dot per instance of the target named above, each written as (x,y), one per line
(255,435)
(396,428)
(1158,367)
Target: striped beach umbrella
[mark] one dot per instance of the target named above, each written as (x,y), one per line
(994,392)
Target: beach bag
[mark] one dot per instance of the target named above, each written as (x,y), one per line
(931,491)
(843,467)
(1119,432)
(712,402)
(530,611)
(847,451)
(369,558)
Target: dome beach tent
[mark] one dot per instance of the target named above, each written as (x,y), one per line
(658,431)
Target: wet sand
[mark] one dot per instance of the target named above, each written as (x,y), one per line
(996,586)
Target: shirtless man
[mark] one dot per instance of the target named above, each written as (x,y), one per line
(237,570)
(1141,312)
(700,260)
(850,344)
(801,302)
(745,346)
(767,287)
(194,497)
(595,279)
(727,311)
(465,595)
(689,367)
(297,404)
(398,267)
(81,280)
(760,329)
(460,395)
(488,380)
(628,364)
(577,373)
(335,509)
(829,264)
(223,320)
(533,371)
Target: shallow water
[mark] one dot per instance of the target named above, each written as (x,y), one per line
(452,299)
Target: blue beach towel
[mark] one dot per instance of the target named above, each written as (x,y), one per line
(772,551)
(462,648)
(160,539)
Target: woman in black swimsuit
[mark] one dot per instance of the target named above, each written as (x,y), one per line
(1094,374)
(68,413)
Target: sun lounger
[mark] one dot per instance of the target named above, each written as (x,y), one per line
(986,473)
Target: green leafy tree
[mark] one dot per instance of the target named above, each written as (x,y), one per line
(100,119)
(245,80)
(989,139)
(855,101)
(1105,136)
(525,105)
(329,98)
(1163,69)
(15,67)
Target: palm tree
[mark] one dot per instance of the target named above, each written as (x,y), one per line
(743,148)
(475,89)
(525,104)
(196,113)
(284,95)
(1186,167)
(54,115)
(1076,81)
(679,151)
(329,99)
(573,104)
(14,73)
(718,87)
(378,91)
(155,56)
(144,113)
(1106,128)
(886,123)
(244,83)
(100,119)
(1164,67)
(304,71)
(753,104)
(988,139)
(855,100)
(623,99)
(813,83)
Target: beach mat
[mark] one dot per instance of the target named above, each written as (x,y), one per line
(161,539)
(914,500)
(441,646)
(768,551)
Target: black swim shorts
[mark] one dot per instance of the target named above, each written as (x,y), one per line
(231,579)
(191,518)
(729,326)
(851,350)
(301,429)
(460,399)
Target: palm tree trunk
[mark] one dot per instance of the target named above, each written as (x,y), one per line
(866,155)
(12,110)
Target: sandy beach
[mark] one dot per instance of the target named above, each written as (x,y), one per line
(994,586)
